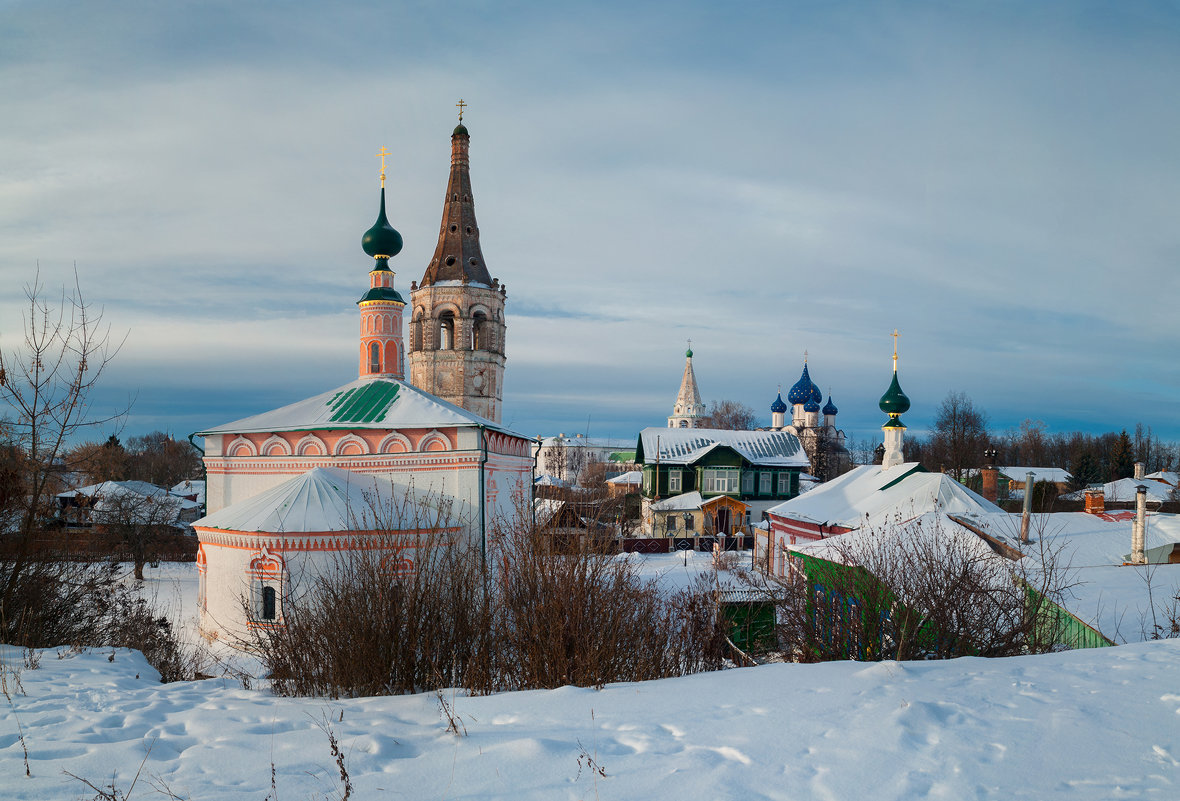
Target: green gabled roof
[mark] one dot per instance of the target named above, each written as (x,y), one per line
(363,404)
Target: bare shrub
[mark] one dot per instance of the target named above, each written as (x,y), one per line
(363,626)
(915,589)
(531,615)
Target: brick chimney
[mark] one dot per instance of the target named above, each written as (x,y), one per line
(1095,501)
(990,476)
(1138,471)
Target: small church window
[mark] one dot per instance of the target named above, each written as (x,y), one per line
(684,424)
(374,358)
(450,260)
(454,228)
(446,330)
(479,331)
(269,603)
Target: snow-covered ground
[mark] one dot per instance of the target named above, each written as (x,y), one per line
(1095,724)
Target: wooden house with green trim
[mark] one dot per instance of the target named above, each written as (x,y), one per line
(751,470)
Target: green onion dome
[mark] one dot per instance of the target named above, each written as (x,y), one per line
(382,241)
(460,129)
(894,401)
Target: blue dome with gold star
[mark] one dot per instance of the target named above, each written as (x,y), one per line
(829,407)
(804,390)
(778,407)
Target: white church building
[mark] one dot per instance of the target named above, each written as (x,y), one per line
(291,488)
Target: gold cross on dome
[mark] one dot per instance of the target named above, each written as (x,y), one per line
(460,105)
(895,335)
(381,154)
(805,357)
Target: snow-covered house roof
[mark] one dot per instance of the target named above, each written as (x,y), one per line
(189,488)
(884,534)
(1123,491)
(1167,476)
(869,490)
(689,445)
(684,502)
(628,478)
(139,499)
(362,404)
(1056,475)
(332,499)
(1123,602)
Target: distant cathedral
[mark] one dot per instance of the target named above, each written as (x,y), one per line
(457,329)
(823,442)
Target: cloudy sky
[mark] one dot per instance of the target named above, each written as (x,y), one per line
(999,181)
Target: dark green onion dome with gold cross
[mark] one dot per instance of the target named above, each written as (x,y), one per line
(894,402)
(382,241)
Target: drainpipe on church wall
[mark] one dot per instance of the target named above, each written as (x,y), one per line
(483,460)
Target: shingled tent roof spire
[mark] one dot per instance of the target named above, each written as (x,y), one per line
(458,256)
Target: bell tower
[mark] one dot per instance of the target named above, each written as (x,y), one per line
(457,330)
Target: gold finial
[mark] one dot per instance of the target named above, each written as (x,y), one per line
(381,154)
(895,335)
(805,357)
(460,105)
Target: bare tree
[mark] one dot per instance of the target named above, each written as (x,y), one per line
(159,459)
(46,383)
(959,437)
(139,522)
(729,415)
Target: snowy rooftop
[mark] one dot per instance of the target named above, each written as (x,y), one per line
(331,499)
(868,490)
(624,444)
(1123,491)
(630,477)
(679,503)
(1090,551)
(1057,475)
(364,403)
(687,445)
(108,490)
(1167,476)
